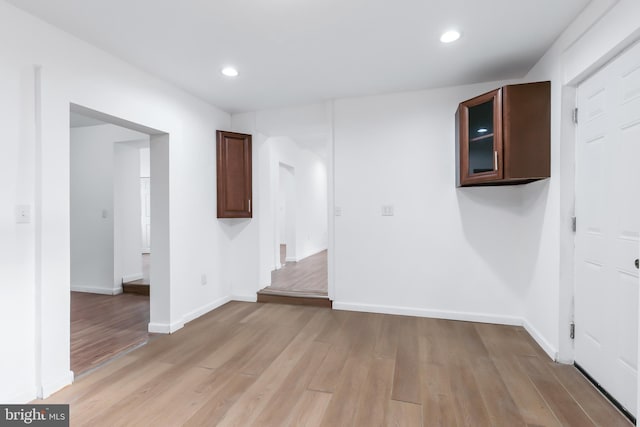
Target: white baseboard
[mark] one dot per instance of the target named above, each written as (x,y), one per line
(57,384)
(291,259)
(312,253)
(205,309)
(132,277)
(165,328)
(20,398)
(245,297)
(454,315)
(542,342)
(438,314)
(94,290)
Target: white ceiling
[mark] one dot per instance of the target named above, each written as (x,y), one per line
(292,52)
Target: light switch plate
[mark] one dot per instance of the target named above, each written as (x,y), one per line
(338,211)
(23,214)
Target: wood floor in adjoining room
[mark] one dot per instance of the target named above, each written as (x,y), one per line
(248,364)
(103,326)
(306,277)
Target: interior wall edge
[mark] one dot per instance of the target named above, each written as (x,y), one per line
(50,387)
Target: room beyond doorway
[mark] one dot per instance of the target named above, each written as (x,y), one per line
(98,336)
(303,282)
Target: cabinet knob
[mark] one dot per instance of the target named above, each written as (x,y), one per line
(637,263)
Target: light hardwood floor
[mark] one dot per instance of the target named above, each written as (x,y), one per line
(248,364)
(103,326)
(306,277)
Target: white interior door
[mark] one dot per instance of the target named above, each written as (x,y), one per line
(145,199)
(608,224)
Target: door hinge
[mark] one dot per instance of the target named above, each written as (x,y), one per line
(572,330)
(574,224)
(575,115)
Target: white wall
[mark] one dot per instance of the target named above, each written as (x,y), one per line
(287,213)
(103,176)
(447,252)
(35,171)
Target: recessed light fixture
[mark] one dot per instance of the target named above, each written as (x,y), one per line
(483,130)
(230,72)
(449,36)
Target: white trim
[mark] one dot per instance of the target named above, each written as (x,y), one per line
(132,277)
(244,297)
(94,290)
(455,315)
(165,328)
(205,309)
(315,252)
(438,314)
(58,384)
(542,342)
(291,259)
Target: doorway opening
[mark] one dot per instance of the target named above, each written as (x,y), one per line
(110,205)
(300,233)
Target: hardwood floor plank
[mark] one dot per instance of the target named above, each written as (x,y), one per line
(598,409)
(376,394)
(312,366)
(344,403)
(103,326)
(309,410)
(438,408)
(154,396)
(387,342)
(221,400)
(564,407)
(505,348)
(328,374)
(401,414)
(332,332)
(406,384)
(290,391)
(495,394)
(252,402)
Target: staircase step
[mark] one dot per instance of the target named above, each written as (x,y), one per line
(135,288)
(295,298)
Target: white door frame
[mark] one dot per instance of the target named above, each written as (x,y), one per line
(159,299)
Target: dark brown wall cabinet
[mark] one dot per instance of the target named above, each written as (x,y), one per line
(233,154)
(504,137)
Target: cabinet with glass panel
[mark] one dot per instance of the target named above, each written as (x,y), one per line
(503,136)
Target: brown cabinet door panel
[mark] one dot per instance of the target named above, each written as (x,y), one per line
(233,152)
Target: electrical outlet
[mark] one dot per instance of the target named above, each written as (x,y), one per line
(23,214)
(203,279)
(387,210)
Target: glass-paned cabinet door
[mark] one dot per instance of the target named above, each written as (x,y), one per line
(481,138)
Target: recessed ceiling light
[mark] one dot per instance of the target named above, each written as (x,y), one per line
(230,72)
(449,36)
